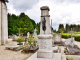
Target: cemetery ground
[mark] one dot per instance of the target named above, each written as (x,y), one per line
(12,55)
(18,55)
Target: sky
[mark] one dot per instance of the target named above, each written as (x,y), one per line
(61,11)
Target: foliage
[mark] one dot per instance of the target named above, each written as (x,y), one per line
(61,26)
(60,31)
(64,50)
(77,33)
(20,39)
(68,27)
(22,23)
(31,41)
(68,35)
(70,58)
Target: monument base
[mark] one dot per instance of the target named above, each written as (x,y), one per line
(45,46)
(44,54)
(56,56)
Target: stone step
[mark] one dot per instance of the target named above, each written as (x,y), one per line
(56,56)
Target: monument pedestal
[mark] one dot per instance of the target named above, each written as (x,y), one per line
(45,46)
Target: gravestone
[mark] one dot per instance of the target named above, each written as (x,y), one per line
(35,33)
(70,42)
(57,37)
(45,37)
(3,22)
(14,37)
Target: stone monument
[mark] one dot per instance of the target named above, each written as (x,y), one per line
(35,33)
(57,38)
(45,37)
(45,15)
(3,22)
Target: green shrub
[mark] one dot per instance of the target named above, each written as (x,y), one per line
(20,39)
(76,33)
(68,35)
(31,41)
(77,37)
(64,50)
(69,58)
(65,35)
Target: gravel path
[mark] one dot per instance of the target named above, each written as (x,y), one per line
(12,55)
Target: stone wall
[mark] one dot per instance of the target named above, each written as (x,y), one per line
(3,23)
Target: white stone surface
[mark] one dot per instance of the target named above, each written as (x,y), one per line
(48,28)
(3,23)
(70,41)
(57,37)
(56,56)
(28,35)
(45,46)
(35,33)
(63,57)
(14,37)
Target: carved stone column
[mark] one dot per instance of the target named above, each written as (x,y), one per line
(45,38)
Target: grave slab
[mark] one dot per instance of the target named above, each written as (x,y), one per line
(56,56)
(15,48)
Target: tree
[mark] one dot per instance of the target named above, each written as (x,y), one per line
(61,26)
(60,31)
(22,21)
(67,28)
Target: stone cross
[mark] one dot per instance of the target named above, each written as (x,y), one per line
(35,30)
(71,32)
(28,35)
(35,33)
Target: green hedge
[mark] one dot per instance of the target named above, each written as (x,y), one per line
(68,35)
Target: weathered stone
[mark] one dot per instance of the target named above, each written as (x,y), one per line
(35,33)
(45,46)
(45,37)
(56,49)
(3,23)
(28,35)
(70,42)
(45,13)
(15,48)
(57,39)
(56,56)
(73,50)
(14,37)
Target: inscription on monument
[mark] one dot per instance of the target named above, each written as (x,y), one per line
(44,44)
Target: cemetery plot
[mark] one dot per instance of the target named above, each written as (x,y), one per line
(72,51)
(14,48)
